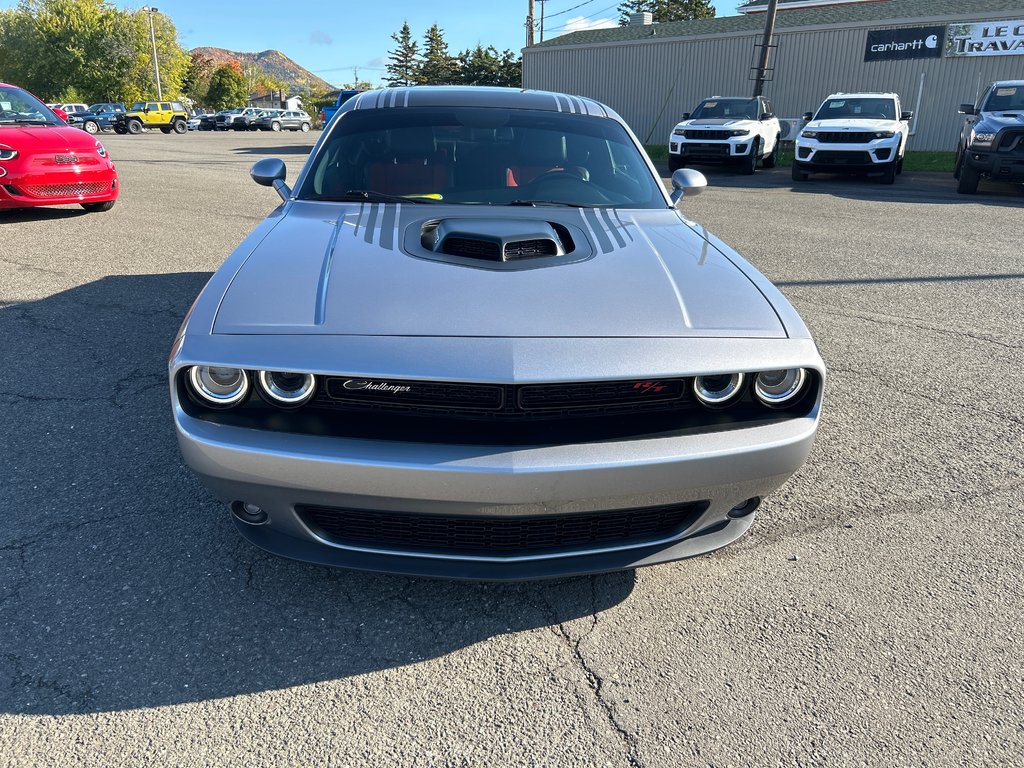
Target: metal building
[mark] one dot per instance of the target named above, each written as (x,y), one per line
(937,54)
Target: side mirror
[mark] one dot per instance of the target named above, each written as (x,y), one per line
(271,172)
(687,181)
(767,115)
(906,116)
(686,116)
(808,116)
(967,109)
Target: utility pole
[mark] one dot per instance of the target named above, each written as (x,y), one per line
(529,23)
(152,39)
(543,4)
(766,47)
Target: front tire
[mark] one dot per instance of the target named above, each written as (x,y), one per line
(889,174)
(770,161)
(179,127)
(275,127)
(749,163)
(969,178)
(305,128)
(91,127)
(120,129)
(99,207)
(134,127)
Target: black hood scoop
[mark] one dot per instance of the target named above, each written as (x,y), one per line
(500,243)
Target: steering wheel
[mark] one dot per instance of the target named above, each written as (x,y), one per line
(570,173)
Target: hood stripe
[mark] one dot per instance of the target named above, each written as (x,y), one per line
(320,311)
(371,222)
(612,228)
(595,226)
(388,227)
(623,227)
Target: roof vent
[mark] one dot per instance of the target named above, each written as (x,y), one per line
(644,19)
(499,240)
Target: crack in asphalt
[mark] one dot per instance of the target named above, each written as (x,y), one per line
(891,320)
(33,267)
(22,680)
(595,680)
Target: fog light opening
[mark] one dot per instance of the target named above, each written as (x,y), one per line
(249,513)
(746,508)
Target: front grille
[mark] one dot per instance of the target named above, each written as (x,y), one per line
(830,157)
(525,249)
(68,190)
(504,401)
(1012,141)
(708,135)
(845,137)
(704,149)
(497,536)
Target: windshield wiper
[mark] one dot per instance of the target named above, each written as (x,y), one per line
(378,197)
(550,202)
(24,121)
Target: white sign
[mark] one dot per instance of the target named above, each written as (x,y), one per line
(987,38)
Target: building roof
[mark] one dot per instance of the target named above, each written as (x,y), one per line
(851,13)
(757,6)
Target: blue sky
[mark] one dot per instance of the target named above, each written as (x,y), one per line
(333,38)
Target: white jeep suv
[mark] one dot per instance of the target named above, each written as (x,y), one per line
(735,130)
(854,133)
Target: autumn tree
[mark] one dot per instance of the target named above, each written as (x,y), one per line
(196,82)
(667,10)
(404,61)
(227,87)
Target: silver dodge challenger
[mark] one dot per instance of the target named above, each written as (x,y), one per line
(478,340)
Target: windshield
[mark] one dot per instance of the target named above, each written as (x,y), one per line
(476,155)
(726,109)
(864,109)
(1005,98)
(18,107)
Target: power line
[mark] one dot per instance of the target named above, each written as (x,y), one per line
(593,15)
(559,13)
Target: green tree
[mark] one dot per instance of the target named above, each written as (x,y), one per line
(227,87)
(667,10)
(196,82)
(403,62)
(510,70)
(485,66)
(438,67)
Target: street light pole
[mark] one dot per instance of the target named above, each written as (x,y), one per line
(152,39)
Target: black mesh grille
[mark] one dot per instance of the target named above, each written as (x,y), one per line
(524,249)
(845,137)
(1011,141)
(708,135)
(475,249)
(828,157)
(704,149)
(504,401)
(511,536)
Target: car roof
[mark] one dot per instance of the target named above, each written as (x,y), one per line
(862,94)
(476,96)
(999,83)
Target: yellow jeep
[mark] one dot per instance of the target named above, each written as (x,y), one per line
(166,115)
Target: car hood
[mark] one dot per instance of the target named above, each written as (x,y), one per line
(852,124)
(997,120)
(717,123)
(41,138)
(349,270)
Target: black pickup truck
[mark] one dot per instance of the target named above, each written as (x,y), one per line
(992,139)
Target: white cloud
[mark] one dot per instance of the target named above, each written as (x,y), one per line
(378,63)
(319,37)
(582,23)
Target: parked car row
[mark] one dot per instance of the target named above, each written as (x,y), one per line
(853,133)
(255,119)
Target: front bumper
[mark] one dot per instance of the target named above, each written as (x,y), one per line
(1004,161)
(870,157)
(724,151)
(279,472)
(68,187)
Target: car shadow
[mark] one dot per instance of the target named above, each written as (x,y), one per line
(17,215)
(910,187)
(270,151)
(124,585)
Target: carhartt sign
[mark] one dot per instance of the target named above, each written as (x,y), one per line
(989,38)
(904,43)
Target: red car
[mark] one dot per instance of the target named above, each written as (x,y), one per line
(44,161)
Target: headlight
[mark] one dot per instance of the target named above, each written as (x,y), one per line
(101,149)
(885,134)
(286,389)
(808,134)
(678,132)
(982,139)
(738,132)
(6,153)
(217,386)
(717,391)
(777,388)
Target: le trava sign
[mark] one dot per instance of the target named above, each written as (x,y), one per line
(989,38)
(905,43)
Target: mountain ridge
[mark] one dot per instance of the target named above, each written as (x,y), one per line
(274,63)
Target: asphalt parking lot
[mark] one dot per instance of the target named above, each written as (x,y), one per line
(873,617)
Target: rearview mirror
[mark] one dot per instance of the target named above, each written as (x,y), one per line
(271,172)
(967,109)
(687,181)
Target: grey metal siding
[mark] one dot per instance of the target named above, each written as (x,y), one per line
(650,83)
